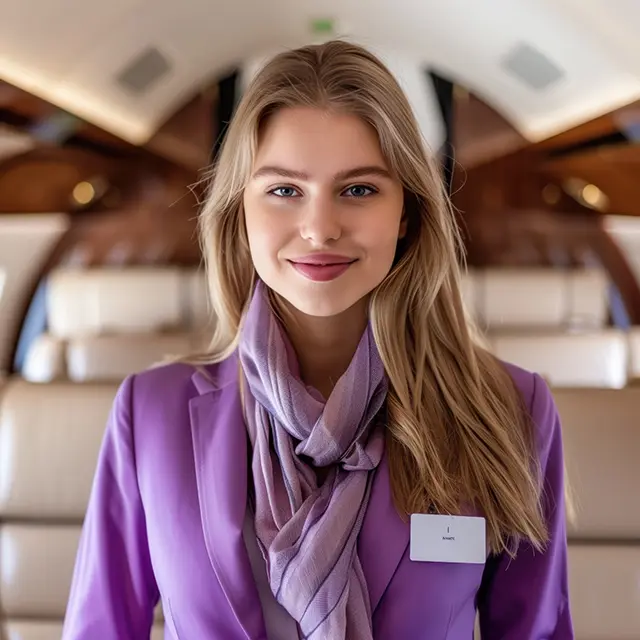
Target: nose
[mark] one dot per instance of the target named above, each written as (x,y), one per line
(320,222)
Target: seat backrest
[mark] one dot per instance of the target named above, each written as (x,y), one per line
(50,436)
(49,441)
(602,447)
(601,431)
(107,323)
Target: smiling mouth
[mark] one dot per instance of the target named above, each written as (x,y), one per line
(320,270)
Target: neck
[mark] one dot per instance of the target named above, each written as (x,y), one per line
(325,346)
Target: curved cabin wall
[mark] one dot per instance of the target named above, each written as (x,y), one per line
(514,202)
(143,212)
(26,242)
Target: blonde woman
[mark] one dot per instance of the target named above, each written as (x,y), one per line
(345,461)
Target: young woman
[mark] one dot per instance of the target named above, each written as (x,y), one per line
(345,462)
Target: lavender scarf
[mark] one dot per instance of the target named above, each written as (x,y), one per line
(308,532)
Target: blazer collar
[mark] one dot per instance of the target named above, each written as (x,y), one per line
(213,378)
(384,537)
(220,454)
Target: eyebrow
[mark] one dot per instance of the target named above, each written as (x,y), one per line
(348,174)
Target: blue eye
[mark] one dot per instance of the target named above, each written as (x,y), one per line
(359,191)
(284,192)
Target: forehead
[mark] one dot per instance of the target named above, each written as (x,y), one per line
(318,141)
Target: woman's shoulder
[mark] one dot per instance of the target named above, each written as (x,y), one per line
(540,405)
(167,390)
(166,378)
(524,380)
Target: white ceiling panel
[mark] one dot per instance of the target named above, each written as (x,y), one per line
(71,52)
(51,36)
(614,25)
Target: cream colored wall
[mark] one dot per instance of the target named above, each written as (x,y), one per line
(25,242)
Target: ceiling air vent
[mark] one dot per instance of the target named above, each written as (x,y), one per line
(532,67)
(144,71)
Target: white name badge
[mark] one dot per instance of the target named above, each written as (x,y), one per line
(438,538)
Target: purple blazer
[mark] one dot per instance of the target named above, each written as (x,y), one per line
(165,522)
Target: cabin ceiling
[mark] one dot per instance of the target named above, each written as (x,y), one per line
(128,65)
(557,82)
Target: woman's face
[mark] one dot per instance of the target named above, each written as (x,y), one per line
(323,212)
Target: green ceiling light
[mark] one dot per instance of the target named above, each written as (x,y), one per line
(323,27)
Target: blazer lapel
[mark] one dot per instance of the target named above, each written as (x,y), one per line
(384,537)
(220,453)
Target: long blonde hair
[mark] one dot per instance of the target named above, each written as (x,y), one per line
(458,431)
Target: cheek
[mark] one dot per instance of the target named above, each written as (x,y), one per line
(257,221)
(260,244)
(267,234)
(380,236)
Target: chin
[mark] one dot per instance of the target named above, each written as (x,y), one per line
(324,301)
(319,299)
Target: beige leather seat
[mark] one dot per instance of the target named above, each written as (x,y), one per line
(584,359)
(107,323)
(634,355)
(602,451)
(550,321)
(46,359)
(113,357)
(132,300)
(536,298)
(104,324)
(49,441)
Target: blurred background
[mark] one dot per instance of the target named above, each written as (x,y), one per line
(110,114)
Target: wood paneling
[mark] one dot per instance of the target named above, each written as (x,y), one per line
(187,138)
(43,179)
(597,128)
(481,134)
(614,170)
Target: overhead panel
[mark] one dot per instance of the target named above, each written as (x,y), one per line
(128,65)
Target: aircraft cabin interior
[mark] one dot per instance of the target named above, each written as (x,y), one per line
(110,117)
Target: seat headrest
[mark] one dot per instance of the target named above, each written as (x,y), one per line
(114,357)
(537,298)
(590,359)
(119,300)
(634,353)
(45,360)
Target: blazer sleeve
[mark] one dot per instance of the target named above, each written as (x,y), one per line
(528,597)
(113,591)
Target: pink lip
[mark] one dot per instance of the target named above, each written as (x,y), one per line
(322,267)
